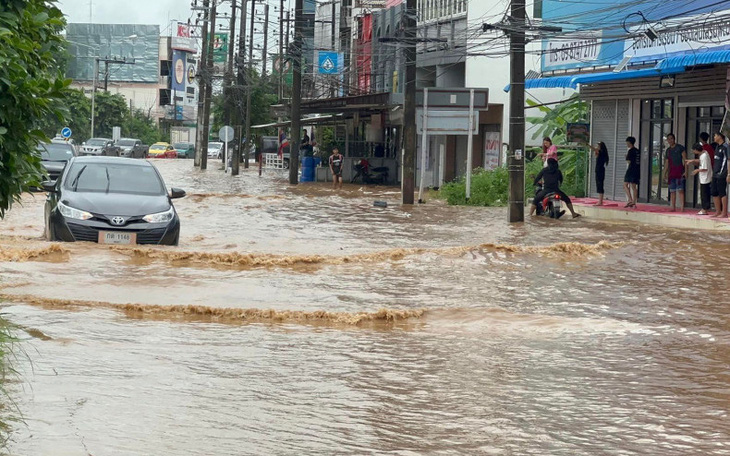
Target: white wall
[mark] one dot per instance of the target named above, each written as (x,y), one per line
(492,72)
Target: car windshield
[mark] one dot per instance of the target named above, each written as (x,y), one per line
(126,142)
(158,147)
(96,142)
(114,178)
(215,145)
(56,152)
(181,145)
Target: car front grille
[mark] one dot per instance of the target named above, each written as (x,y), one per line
(91,234)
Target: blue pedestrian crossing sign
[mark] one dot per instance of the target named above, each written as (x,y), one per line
(66,132)
(329,62)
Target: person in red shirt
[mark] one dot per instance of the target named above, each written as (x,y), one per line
(675,172)
(706,146)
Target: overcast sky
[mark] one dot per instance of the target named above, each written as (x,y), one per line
(127,11)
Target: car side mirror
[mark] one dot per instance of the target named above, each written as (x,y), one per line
(177,193)
(49,186)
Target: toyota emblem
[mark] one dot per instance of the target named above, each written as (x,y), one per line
(118,220)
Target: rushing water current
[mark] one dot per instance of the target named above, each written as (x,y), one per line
(294,321)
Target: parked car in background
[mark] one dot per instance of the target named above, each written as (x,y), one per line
(161,150)
(111,200)
(54,157)
(215,149)
(132,148)
(100,147)
(184,149)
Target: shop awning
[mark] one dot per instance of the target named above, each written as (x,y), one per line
(571,82)
(696,58)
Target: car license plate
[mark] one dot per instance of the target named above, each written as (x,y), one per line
(117,238)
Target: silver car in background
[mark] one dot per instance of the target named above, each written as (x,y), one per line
(99,147)
(215,149)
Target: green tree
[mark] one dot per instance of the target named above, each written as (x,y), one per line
(555,121)
(77,112)
(111,110)
(262,97)
(32,87)
(139,124)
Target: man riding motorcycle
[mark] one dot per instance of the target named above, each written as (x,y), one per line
(552,178)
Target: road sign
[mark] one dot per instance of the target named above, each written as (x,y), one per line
(66,132)
(328,62)
(226,133)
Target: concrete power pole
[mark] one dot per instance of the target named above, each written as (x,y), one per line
(249,86)
(281,53)
(208,88)
(265,51)
(515,156)
(296,97)
(408,181)
(238,97)
(203,82)
(228,102)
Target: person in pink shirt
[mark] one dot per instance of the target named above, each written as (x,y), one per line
(549,150)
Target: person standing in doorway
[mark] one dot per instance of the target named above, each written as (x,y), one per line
(720,177)
(601,162)
(705,143)
(549,150)
(705,172)
(675,172)
(336,160)
(633,172)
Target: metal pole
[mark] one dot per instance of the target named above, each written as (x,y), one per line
(424,145)
(228,81)
(296,97)
(208,89)
(93,94)
(515,157)
(409,108)
(249,86)
(265,51)
(470,145)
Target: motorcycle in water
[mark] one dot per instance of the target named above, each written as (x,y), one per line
(369,176)
(550,206)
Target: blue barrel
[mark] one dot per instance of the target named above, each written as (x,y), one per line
(307,169)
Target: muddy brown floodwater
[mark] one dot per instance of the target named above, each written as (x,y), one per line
(295,321)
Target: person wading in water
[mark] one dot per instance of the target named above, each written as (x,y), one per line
(336,160)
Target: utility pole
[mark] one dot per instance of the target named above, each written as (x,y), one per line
(240,81)
(408,181)
(93,93)
(249,85)
(265,51)
(208,86)
(515,155)
(228,81)
(203,82)
(281,52)
(296,96)
(334,79)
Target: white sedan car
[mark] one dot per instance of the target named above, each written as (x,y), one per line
(215,149)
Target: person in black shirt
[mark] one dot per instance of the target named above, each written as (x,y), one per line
(336,160)
(601,163)
(305,138)
(551,178)
(633,172)
(720,176)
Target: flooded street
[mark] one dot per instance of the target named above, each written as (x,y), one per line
(296,321)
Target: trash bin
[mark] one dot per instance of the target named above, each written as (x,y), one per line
(308,169)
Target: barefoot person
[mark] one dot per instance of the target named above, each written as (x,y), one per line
(675,172)
(601,162)
(551,178)
(705,172)
(336,167)
(720,176)
(633,172)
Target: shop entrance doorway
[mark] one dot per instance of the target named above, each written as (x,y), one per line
(701,119)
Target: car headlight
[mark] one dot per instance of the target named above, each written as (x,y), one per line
(160,217)
(70,212)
